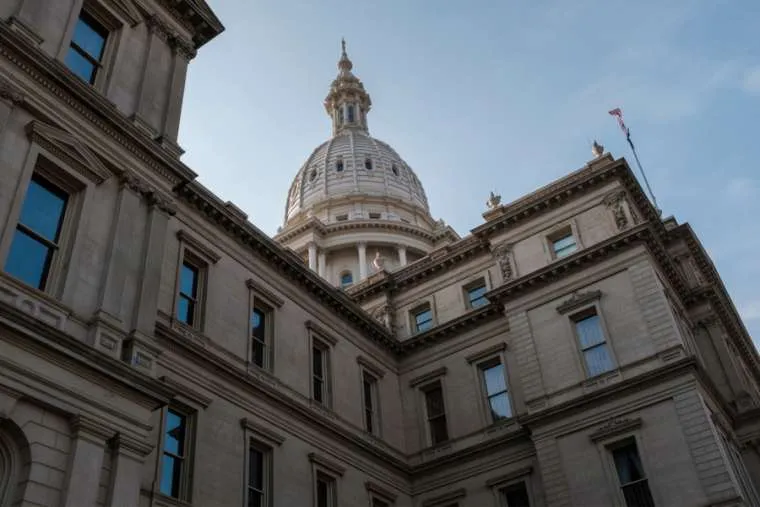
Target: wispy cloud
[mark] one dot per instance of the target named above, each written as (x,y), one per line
(751,81)
(750,310)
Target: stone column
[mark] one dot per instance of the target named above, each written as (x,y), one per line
(126,471)
(121,242)
(153,260)
(183,51)
(362,249)
(321,261)
(402,255)
(85,462)
(313,256)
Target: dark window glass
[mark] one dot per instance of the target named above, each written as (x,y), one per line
(259,331)
(476,297)
(516,495)
(255,477)
(346,279)
(339,165)
(188,293)
(369,383)
(631,475)
(368,164)
(37,234)
(496,390)
(324,493)
(318,367)
(350,113)
(593,345)
(423,320)
(87,45)
(174,454)
(436,414)
(394,169)
(379,503)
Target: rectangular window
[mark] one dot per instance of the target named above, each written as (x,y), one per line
(36,240)
(423,318)
(174,463)
(325,491)
(593,344)
(374,216)
(369,388)
(261,335)
(476,295)
(516,495)
(341,218)
(259,467)
(564,245)
(631,476)
(192,277)
(320,373)
(495,386)
(88,44)
(436,413)
(376,502)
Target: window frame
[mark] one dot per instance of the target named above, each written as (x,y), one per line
(41,163)
(499,484)
(368,164)
(480,367)
(580,314)
(559,232)
(343,273)
(474,285)
(425,389)
(607,447)
(320,340)
(417,310)
(371,423)
(202,258)
(112,25)
(186,475)
(329,472)
(268,303)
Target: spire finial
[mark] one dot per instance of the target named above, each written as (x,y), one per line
(344,65)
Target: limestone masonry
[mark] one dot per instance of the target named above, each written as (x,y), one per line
(157,349)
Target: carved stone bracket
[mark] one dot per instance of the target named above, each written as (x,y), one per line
(621,211)
(503,254)
(690,271)
(152,195)
(9,92)
(384,314)
(163,31)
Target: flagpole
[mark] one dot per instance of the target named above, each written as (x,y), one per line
(643,174)
(618,114)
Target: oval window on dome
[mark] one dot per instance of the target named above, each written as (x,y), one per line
(346,279)
(339,165)
(394,169)
(368,164)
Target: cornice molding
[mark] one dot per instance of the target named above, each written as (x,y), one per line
(197,17)
(428,377)
(322,333)
(259,432)
(90,104)
(181,389)
(487,352)
(210,255)
(578,300)
(10,92)
(380,491)
(267,295)
(69,149)
(614,427)
(327,464)
(502,479)
(445,499)
(370,366)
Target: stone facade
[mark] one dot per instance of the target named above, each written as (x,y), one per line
(163,347)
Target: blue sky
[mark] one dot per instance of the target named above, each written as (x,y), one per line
(496,95)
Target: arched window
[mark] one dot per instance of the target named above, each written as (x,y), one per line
(394,169)
(14,461)
(346,279)
(339,165)
(313,175)
(368,164)
(350,113)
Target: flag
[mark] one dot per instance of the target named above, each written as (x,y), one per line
(618,114)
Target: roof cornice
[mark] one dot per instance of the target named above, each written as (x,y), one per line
(90,104)
(197,17)
(277,256)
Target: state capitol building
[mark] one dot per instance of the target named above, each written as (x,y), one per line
(159,350)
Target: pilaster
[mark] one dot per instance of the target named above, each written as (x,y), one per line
(127,462)
(362,250)
(86,461)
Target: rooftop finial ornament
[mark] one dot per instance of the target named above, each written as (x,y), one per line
(493,201)
(597,149)
(344,64)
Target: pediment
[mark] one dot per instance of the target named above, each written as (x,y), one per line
(69,149)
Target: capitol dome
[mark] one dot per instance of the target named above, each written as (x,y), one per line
(355,207)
